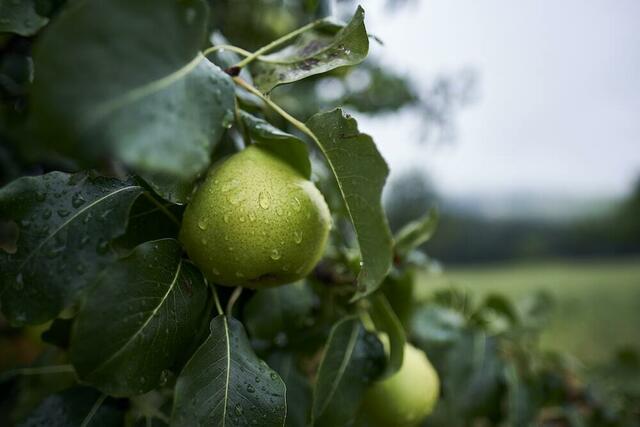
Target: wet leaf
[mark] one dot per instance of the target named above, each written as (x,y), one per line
(66,225)
(121,87)
(353,359)
(225,383)
(153,301)
(288,147)
(328,46)
(415,233)
(279,310)
(298,388)
(386,321)
(360,173)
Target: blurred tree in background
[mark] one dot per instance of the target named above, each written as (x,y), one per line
(466,236)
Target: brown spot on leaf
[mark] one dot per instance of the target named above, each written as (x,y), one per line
(308,63)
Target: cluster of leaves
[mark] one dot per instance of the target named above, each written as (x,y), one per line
(132,119)
(125,119)
(494,372)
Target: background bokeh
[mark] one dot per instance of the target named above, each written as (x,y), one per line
(532,154)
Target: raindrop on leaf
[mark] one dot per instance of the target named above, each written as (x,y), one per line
(77,200)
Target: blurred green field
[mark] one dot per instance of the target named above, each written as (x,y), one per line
(597,302)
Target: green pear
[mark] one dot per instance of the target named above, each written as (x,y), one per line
(255,221)
(405,398)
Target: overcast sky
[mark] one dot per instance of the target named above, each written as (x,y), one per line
(559,92)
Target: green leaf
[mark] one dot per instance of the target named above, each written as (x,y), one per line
(523,401)
(147,221)
(496,314)
(135,86)
(20,17)
(279,310)
(298,388)
(398,287)
(472,372)
(225,383)
(326,47)
(78,406)
(353,359)
(286,146)
(360,172)
(66,223)
(171,188)
(386,321)
(434,325)
(152,301)
(415,233)
(536,309)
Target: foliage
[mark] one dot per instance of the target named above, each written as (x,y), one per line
(591,298)
(111,116)
(494,372)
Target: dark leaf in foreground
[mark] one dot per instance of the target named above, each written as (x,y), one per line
(225,383)
(126,78)
(66,223)
(137,320)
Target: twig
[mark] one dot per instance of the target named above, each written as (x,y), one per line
(232,299)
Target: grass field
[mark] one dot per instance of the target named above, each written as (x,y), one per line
(597,301)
